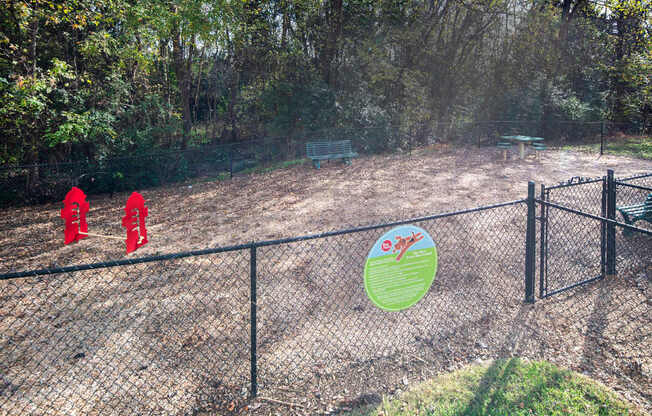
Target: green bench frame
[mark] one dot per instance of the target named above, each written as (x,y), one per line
(338,149)
(633,213)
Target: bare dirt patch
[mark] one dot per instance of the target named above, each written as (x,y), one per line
(172,337)
(296,201)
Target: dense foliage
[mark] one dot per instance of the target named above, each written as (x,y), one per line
(83,79)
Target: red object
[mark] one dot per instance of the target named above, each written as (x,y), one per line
(404,243)
(386,246)
(73,213)
(134,222)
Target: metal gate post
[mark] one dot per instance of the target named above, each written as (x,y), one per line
(611,228)
(530,245)
(254,307)
(603,230)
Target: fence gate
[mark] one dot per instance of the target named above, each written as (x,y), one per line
(572,247)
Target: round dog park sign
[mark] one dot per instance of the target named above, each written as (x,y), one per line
(400,268)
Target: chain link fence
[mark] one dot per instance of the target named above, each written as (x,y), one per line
(314,314)
(588,195)
(203,331)
(45,182)
(159,336)
(595,319)
(173,334)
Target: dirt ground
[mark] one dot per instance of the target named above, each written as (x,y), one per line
(296,201)
(172,337)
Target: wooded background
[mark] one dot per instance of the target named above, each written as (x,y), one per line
(90,80)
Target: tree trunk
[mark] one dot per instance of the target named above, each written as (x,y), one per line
(232,102)
(35,27)
(619,84)
(201,66)
(183,82)
(334,24)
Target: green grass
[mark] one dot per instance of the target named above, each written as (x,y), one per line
(640,147)
(255,169)
(275,166)
(505,387)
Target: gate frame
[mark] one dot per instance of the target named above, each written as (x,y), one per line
(607,232)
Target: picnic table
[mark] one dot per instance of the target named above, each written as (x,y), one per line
(521,142)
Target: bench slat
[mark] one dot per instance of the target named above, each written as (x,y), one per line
(638,208)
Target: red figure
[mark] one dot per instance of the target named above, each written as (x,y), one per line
(134,222)
(404,243)
(73,213)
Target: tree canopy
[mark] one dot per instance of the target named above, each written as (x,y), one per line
(94,79)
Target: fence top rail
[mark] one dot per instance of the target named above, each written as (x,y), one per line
(572,182)
(629,185)
(389,224)
(637,176)
(595,217)
(253,244)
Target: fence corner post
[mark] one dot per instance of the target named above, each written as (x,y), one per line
(253,310)
(530,245)
(611,228)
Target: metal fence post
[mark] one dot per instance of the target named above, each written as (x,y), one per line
(611,228)
(231,161)
(253,309)
(530,245)
(542,253)
(601,137)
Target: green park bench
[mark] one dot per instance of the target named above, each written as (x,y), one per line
(633,213)
(339,149)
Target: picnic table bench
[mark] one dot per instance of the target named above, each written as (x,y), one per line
(633,213)
(339,149)
(521,140)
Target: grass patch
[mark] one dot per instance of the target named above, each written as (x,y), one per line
(274,166)
(640,147)
(505,387)
(222,176)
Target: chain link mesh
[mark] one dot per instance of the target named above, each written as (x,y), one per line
(603,328)
(163,337)
(44,182)
(573,250)
(585,196)
(565,237)
(315,316)
(172,336)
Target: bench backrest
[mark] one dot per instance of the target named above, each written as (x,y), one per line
(338,147)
